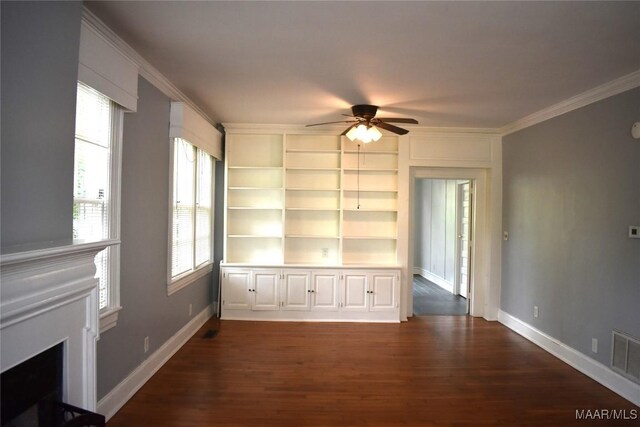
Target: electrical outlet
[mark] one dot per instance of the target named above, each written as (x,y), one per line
(325,252)
(535,311)
(190,309)
(146,344)
(594,345)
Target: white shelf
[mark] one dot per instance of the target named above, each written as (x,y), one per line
(311,189)
(252,236)
(365,151)
(295,150)
(254,188)
(256,167)
(363,169)
(369,237)
(312,209)
(311,169)
(251,208)
(370,210)
(369,190)
(307,236)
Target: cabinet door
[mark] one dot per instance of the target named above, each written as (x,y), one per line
(324,295)
(354,293)
(265,289)
(296,290)
(383,292)
(235,290)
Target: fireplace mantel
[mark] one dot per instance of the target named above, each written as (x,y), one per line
(49,295)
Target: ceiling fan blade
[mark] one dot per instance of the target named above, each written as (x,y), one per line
(330,123)
(392,128)
(397,120)
(348,129)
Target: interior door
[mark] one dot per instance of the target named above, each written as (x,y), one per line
(296,290)
(464,242)
(265,289)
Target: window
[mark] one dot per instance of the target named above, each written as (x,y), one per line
(191,249)
(96,190)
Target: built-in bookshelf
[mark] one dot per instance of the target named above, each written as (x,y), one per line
(311,199)
(255,199)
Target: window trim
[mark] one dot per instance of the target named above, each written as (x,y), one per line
(109,315)
(174,284)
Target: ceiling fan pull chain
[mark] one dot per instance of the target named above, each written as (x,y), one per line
(358,178)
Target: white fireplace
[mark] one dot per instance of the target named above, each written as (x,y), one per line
(49,296)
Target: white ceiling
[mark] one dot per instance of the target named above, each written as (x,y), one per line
(471,64)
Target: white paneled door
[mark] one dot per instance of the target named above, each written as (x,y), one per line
(324,295)
(296,290)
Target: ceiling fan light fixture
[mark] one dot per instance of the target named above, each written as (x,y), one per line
(375,133)
(352,134)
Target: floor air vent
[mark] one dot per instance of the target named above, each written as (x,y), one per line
(625,357)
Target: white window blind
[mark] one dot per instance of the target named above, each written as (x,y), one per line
(191,217)
(92,166)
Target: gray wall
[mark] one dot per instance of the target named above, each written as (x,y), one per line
(147,310)
(435,227)
(571,189)
(40,42)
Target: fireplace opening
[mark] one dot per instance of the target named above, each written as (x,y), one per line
(31,394)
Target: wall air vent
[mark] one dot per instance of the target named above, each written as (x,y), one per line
(625,356)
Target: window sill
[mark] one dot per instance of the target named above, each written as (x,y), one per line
(188,279)
(109,319)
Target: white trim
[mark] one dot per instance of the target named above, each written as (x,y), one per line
(189,278)
(186,123)
(146,70)
(109,318)
(583,99)
(50,295)
(116,398)
(588,366)
(447,286)
(256,128)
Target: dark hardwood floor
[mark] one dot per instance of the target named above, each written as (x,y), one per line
(430,299)
(430,371)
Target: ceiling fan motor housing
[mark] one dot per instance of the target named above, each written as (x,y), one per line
(365,111)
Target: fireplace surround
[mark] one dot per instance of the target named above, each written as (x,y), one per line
(49,297)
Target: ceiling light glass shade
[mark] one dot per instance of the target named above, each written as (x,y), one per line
(364,133)
(375,133)
(352,134)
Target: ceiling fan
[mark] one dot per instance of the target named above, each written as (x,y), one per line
(364,123)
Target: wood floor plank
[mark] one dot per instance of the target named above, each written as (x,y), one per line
(430,371)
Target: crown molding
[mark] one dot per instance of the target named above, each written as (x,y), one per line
(146,70)
(614,87)
(337,129)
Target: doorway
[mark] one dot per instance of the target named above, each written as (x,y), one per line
(442,238)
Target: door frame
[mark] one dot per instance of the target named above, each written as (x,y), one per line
(480,248)
(459,212)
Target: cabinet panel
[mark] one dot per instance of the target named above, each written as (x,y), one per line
(295,293)
(236,294)
(265,289)
(384,295)
(355,297)
(325,291)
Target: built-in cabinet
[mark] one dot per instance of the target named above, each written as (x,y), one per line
(310,293)
(310,199)
(311,226)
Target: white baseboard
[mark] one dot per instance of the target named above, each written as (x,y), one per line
(116,398)
(447,286)
(588,366)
